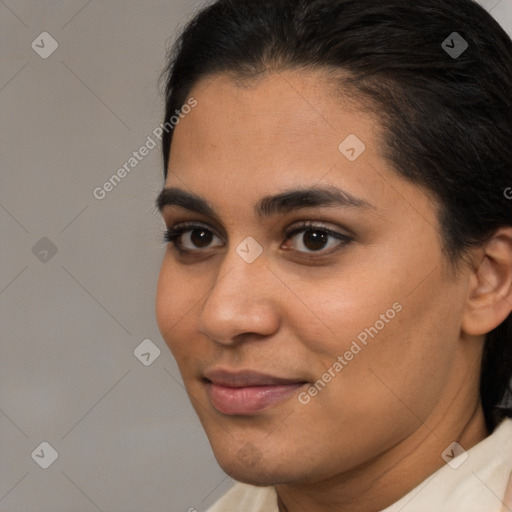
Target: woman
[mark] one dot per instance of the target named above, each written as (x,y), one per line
(337,289)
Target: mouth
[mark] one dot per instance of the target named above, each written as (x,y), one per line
(247,392)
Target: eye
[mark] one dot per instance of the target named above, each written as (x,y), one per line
(189,237)
(192,237)
(316,238)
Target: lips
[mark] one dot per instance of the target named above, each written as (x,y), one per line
(247,392)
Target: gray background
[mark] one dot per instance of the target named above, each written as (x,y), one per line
(126,437)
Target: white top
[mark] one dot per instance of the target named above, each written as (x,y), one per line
(478,480)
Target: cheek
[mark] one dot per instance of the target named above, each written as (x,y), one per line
(171,302)
(179,298)
(163,302)
(395,325)
(354,306)
(398,352)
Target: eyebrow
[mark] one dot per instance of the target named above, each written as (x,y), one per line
(285,202)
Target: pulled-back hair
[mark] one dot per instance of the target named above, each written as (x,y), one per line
(446,119)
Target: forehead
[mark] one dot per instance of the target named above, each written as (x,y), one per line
(286,122)
(289,103)
(246,141)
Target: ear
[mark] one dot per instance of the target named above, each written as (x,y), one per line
(489,293)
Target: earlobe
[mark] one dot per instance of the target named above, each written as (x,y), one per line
(489,298)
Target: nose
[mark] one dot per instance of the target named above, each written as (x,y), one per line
(241,302)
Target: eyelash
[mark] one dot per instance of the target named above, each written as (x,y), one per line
(171,236)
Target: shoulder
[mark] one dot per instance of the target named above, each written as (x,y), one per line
(247,498)
(476,480)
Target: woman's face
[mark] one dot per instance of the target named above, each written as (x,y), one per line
(306,351)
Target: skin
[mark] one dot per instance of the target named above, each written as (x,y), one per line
(379,427)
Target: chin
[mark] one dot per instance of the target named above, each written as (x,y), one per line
(257,475)
(249,465)
(254,476)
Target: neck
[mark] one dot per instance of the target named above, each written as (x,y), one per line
(391,475)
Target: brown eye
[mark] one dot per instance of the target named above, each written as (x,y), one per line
(201,237)
(311,238)
(190,237)
(315,240)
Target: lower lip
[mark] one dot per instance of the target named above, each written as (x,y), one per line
(248,400)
